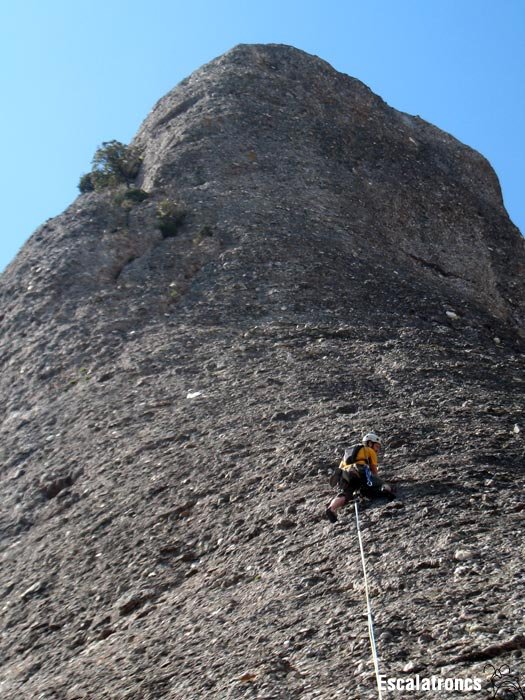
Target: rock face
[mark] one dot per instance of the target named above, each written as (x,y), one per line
(174,396)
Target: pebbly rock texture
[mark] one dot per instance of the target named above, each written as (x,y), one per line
(179,374)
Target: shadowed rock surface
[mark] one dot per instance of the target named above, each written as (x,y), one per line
(173,400)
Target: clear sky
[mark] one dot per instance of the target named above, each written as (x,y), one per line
(74,74)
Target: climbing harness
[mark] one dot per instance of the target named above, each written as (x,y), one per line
(349,459)
(369,608)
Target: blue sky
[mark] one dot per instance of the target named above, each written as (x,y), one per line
(74,74)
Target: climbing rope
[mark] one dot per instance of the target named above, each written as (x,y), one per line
(369,608)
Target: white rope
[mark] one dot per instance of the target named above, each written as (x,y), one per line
(369,609)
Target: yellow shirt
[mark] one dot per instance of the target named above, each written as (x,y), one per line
(365,456)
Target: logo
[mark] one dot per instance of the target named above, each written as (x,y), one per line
(505,684)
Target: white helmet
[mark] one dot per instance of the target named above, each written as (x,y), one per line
(371,437)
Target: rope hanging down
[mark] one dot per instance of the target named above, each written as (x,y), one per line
(369,609)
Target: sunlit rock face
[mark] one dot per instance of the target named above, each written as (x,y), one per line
(181,369)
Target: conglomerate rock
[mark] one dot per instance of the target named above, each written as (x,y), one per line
(174,398)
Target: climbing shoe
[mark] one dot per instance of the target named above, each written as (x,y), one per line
(332,517)
(388,493)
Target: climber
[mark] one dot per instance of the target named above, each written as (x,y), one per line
(358,472)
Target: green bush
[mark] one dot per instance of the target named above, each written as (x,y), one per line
(129,197)
(136,195)
(170,217)
(114,164)
(86,184)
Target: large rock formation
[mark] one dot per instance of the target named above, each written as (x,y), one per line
(179,374)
